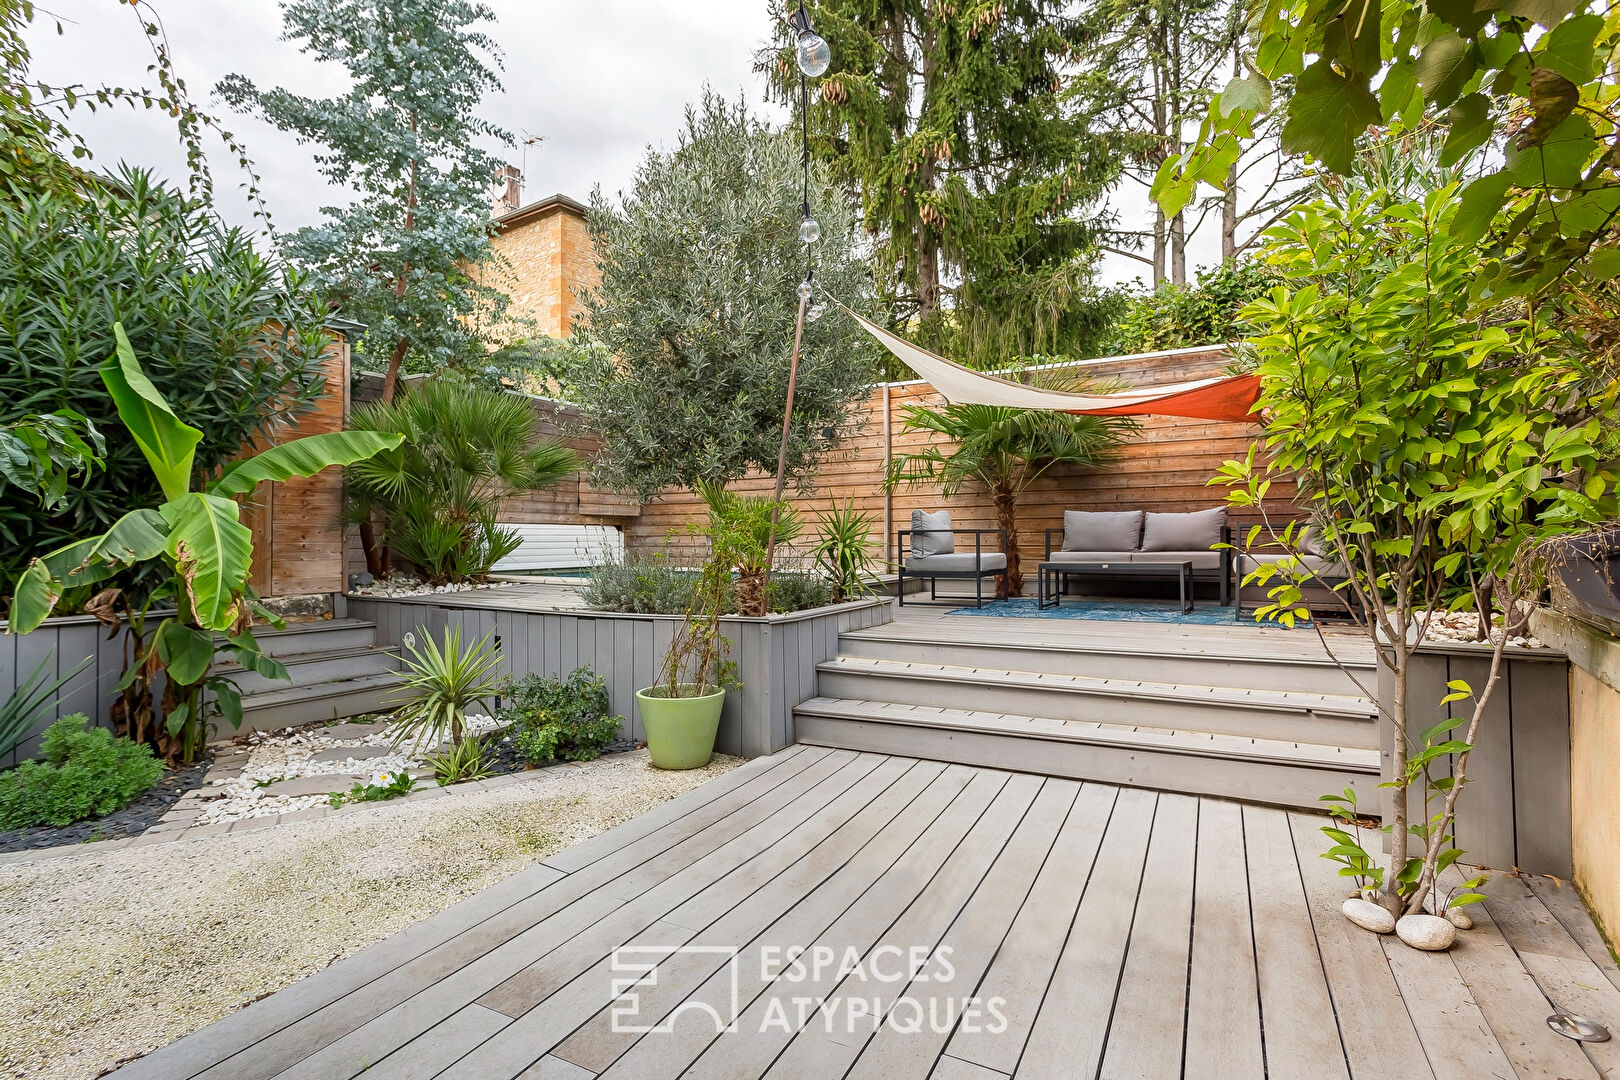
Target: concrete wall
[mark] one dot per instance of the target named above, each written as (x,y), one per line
(1594,744)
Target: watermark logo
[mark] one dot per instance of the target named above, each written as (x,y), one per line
(636,969)
(841,991)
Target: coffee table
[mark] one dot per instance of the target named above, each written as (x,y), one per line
(1051,578)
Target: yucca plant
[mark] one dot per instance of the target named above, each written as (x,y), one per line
(19,711)
(436,496)
(844,552)
(464,761)
(441,685)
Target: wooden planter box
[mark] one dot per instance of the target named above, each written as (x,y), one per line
(776,655)
(1515,808)
(70,638)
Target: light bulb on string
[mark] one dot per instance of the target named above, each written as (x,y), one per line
(814,313)
(809,230)
(805,289)
(814,54)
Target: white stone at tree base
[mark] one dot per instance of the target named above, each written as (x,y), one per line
(1460,918)
(1430,933)
(1368,915)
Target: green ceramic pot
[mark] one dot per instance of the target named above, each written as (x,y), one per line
(680,730)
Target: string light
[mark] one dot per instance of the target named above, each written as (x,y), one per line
(812,52)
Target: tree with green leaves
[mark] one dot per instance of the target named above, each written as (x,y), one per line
(206,552)
(1531,80)
(406,138)
(974,141)
(693,322)
(1434,443)
(1208,313)
(1003,451)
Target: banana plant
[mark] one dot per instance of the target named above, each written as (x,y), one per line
(199,537)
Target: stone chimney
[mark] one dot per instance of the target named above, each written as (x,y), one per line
(508,190)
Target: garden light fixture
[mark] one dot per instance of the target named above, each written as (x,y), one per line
(813,53)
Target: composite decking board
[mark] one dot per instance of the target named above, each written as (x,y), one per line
(933,884)
(1022,968)
(558,993)
(1565,905)
(815,1051)
(1145,1035)
(1514,1006)
(1072,902)
(690,865)
(820,899)
(1379,1039)
(1558,963)
(864,918)
(738,917)
(1301,1037)
(1071,1028)
(314,1028)
(1455,1033)
(1226,1042)
(974,939)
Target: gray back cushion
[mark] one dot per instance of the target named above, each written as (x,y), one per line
(927,543)
(1084,530)
(1310,540)
(1198,531)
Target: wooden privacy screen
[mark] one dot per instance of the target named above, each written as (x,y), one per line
(1166,467)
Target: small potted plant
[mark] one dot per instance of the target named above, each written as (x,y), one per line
(681,713)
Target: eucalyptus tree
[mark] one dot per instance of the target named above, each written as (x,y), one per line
(974,139)
(693,321)
(407,140)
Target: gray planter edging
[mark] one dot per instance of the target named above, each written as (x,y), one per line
(1515,807)
(71,638)
(776,655)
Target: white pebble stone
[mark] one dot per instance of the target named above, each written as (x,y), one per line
(1430,933)
(1459,918)
(1368,915)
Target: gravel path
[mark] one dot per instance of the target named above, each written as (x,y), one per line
(104,956)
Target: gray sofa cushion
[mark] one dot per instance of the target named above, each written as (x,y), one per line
(1199,531)
(931,543)
(1087,530)
(956,562)
(1310,540)
(1091,556)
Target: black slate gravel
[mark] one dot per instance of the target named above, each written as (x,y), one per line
(141,814)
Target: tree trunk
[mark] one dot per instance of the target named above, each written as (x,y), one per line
(391,379)
(1178,249)
(1397,833)
(1006,504)
(753,598)
(1159,246)
(376,564)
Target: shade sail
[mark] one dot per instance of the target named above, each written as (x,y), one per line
(1223,398)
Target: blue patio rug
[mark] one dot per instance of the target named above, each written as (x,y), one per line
(1207,613)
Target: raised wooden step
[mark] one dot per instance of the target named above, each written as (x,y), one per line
(321,635)
(1171,659)
(289,706)
(309,668)
(1280,772)
(1326,719)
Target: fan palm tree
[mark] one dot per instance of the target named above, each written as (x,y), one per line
(1003,451)
(438,494)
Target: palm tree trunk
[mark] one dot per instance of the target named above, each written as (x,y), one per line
(1006,504)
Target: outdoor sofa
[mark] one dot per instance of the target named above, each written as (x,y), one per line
(1122,538)
(1318,593)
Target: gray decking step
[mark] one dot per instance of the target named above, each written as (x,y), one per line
(1327,719)
(1273,771)
(289,706)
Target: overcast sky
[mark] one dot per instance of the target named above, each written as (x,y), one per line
(598,80)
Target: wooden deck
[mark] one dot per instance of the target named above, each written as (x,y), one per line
(1062,929)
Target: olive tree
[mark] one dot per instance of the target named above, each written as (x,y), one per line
(696,308)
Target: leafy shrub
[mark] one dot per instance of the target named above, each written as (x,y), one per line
(639,586)
(1209,313)
(379,788)
(441,685)
(467,760)
(84,773)
(561,718)
(797,590)
(230,339)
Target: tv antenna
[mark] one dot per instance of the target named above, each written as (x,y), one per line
(528,141)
